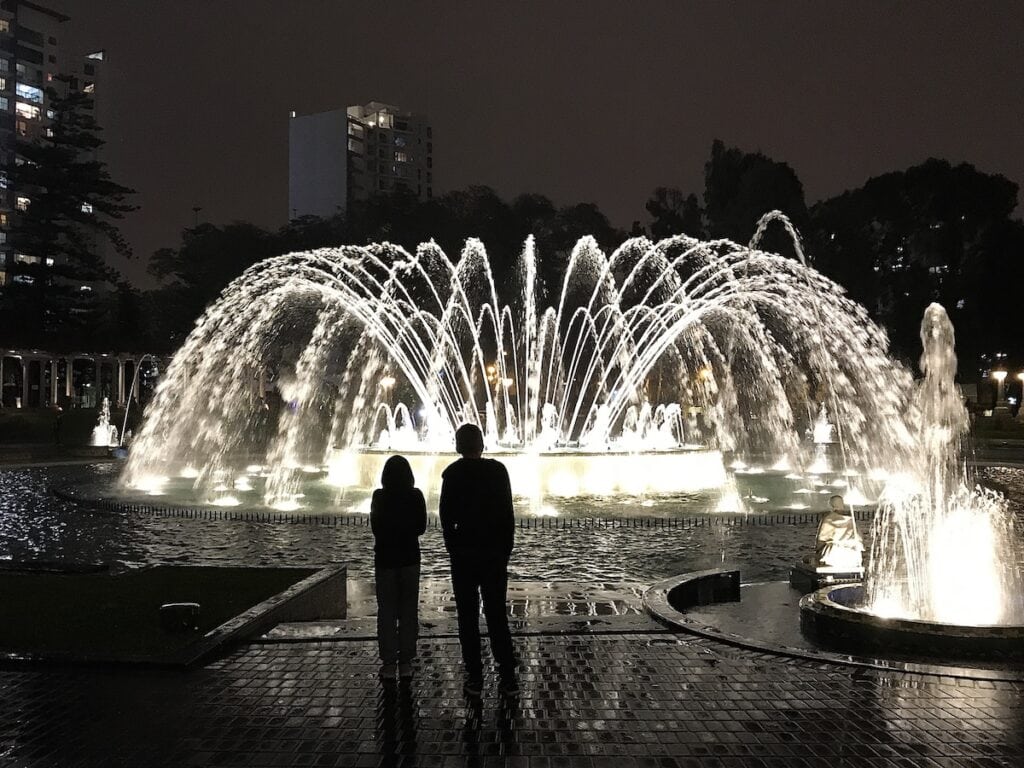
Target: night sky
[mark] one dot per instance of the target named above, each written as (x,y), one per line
(583,102)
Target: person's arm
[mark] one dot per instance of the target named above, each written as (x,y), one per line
(507,513)
(377,524)
(446,509)
(421,514)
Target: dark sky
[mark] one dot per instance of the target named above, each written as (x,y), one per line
(581,101)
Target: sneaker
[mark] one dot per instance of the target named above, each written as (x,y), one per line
(509,686)
(405,670)
(473,687)
(389,672)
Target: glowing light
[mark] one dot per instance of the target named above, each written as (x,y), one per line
(546,511)
(189,472)
(226,501)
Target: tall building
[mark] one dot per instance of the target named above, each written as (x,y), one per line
(353,153)
(32,54)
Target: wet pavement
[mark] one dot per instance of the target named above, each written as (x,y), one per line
(602,684)
(629,699)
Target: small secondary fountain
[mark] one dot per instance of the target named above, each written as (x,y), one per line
(942,573)
(644,370)
(104,433)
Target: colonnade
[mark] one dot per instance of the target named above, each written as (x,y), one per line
(38,379)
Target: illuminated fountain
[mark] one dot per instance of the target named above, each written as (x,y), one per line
(942,575)
(104,433)
(644,369)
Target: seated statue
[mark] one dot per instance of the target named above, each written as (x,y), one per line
(838,545)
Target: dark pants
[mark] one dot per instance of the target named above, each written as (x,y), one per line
(398,597)
(474,578)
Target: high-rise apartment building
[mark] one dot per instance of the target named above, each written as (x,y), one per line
(353,153)
(32,55)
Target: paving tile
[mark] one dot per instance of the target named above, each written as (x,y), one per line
(634,699)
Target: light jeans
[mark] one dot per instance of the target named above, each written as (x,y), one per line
(398,598)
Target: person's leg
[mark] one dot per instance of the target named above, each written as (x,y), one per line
(408,612)
(387,614)
(466,589)
(494,590)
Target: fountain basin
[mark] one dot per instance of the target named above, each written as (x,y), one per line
(832,616)
(561,474)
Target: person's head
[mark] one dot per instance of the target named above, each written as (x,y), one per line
(835,503)
(397,474)
(469,441)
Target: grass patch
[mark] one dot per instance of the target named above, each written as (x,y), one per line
(116,617)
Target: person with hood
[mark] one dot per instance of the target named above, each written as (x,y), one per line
(398,517)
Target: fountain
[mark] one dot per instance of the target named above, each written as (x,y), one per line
(651,371)
(941,575)
(104,433)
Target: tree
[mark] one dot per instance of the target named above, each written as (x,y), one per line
(72,209)
(674,213)
(933,232)
(740,187)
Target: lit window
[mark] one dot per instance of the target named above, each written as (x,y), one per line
(26,279)
(3,219)
(29,93)
(22,203)
(96,55)
(49,262)
(21,127)
(49,133)
(401,157)
(3,83)
(28,111)
(89,88)
(385,120)
(86,207)
(4,104)
(3,180)
(21,69)
(50,114)
(26,259)
(3,237)
(85,287)
(5,25)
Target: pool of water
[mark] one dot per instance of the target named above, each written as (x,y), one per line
(35,525)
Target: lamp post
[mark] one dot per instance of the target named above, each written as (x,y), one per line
(1000,377)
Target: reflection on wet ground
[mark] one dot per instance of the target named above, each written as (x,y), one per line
(601,685)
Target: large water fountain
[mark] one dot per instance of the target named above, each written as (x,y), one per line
(665,368)
(643,370)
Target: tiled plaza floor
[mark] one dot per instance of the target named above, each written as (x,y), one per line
(629,699)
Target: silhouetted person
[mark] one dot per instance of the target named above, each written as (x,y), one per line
(398,516)
(479,531)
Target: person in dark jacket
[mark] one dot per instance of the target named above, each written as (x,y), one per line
(398,516)
(478,523)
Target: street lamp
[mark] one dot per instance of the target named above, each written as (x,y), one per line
(1000,377)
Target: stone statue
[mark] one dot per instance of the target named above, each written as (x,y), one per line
(838,545)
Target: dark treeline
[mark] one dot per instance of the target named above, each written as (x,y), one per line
(932,232)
